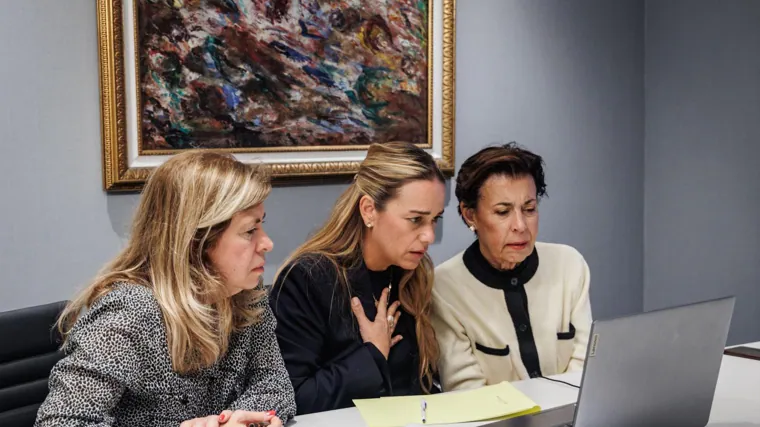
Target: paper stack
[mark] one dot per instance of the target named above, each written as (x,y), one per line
(498,401)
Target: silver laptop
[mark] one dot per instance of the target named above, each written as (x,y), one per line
(654,369)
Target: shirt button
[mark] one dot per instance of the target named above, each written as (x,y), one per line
(183,399)
(523,327)
(514,281)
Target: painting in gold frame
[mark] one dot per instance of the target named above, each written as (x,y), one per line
(303,86)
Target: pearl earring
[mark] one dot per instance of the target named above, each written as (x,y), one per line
(369,225)
(472,228)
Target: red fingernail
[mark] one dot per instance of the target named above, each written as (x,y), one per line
(271,413)
(221,418)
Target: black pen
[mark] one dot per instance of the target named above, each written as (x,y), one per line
(423,409)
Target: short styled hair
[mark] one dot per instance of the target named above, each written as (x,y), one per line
(509,160)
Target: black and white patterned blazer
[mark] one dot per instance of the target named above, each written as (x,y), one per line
(118,371)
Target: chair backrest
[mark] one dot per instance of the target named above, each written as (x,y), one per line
(29,347)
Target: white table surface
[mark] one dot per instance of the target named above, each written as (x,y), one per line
(736,403)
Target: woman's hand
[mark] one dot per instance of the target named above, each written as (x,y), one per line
(250,419)
(210,421)
(380,330)
(236,419)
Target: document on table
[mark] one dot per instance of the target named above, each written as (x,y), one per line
(494,402)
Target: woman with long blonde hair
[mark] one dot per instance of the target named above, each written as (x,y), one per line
(176,330)
(353,302)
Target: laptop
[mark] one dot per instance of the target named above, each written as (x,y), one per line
(654,369)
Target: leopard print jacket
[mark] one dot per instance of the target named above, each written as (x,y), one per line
(117,370)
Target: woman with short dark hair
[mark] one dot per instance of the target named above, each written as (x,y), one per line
(500,314)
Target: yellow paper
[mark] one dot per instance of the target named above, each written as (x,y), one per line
(492,402)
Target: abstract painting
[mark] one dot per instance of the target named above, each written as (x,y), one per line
(303,85)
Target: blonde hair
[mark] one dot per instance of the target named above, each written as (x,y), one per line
(386,168)
(185,206)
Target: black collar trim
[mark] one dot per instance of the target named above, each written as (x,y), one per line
(492,277)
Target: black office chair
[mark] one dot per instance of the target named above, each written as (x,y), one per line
(29,347)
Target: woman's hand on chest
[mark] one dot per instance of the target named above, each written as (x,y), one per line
(378,331)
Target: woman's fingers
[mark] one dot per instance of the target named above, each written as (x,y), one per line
(361,318)
(225,416)
(382,305)
(394,308)
(396,339)
(210,421)
(248,417)
(395,320)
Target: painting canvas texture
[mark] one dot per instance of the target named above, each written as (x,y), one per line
(282,73)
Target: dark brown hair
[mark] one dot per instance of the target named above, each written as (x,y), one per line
(509,159)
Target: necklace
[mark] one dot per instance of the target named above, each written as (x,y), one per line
(390,287)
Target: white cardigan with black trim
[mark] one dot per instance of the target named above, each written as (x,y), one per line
(495,326)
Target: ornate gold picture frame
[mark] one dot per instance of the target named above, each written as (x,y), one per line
(302,85)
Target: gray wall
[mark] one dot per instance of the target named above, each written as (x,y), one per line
(56,223)
(563,78)
(702,186)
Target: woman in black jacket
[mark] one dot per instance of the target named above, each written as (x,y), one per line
(353,303)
